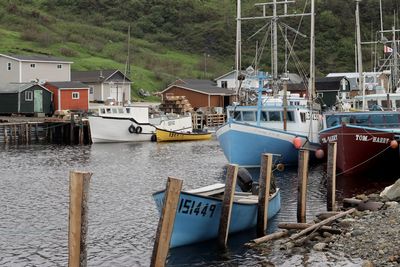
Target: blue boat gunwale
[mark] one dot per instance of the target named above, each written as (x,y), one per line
(269,129)
(219,199)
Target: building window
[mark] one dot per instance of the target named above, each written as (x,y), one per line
(224,84)
(33,65)
(28,95)
(59,66)
(9,66)
(91,90)
(75,95)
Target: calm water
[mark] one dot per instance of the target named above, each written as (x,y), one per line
(122,216)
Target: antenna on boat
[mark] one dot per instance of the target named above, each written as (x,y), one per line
(238,48)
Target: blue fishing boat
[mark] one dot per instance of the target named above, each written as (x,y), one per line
(199,211)
(278,123)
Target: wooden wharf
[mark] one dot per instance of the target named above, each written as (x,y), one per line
(74,130)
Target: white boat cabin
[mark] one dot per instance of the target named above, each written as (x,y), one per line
(139,113)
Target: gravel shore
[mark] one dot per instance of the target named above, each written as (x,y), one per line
(368,238)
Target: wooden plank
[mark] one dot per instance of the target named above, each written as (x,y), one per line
(230,184)
(301,226)
(318,225)
(302,186)
(263,194)
(166,222)
(331,177)
(269,237)
(78,218)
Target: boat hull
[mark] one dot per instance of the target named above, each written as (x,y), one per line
(170,136)
(244,144)
(361,149)
(106,130)
(194,225)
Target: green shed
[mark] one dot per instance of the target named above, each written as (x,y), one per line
(28,99)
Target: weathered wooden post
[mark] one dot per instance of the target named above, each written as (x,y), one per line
(80,129)
(71,129)
(166,222)
(36,132)
(331,177)
(263,194)
(15,133)
(26,133)
(5,134)
(302,186)
(226,208)
(78,218)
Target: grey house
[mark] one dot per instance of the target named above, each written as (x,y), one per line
(105,84)
(35,68)
(26,99)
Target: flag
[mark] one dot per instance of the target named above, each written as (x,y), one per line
(387,49)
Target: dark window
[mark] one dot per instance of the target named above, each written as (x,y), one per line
(391,120)
(224,84)
(360,119)
(263,116)
(372,103)
(28,95)
(385,104)
(330,121)
(274,116)
(237,115)
(289,116)
(376,120)
(303,116)
(248,116)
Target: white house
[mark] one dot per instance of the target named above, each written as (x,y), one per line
(105,84)
(33,68)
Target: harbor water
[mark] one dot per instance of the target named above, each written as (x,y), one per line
(34,201)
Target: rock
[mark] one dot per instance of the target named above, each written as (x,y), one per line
(326,234)
(381,252)
(362,197)
(357,233)
(392,192)
(367,263)
(391,204)
(319,246)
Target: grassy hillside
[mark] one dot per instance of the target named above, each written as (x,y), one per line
(169,39)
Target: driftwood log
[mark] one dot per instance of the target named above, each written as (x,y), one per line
(301,226)
(269,237)
(362,205)
(322,223)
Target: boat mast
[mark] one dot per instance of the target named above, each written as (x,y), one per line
(311,84)
(395,62)
(361,86)
(238,48)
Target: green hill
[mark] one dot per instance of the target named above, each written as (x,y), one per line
(176,38)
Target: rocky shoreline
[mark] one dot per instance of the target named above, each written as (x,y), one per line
(367,238)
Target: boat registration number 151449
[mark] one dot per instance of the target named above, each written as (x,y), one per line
(191,207)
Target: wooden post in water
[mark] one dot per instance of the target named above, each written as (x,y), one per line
(5,134)
(166,222)
(36,132)
(80,129)
(71,129)
(78,218)
(263,194)
(227,201)
(302,186)
(331,177)
(26,133)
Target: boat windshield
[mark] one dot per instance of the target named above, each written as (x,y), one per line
(379,120)
(251,116)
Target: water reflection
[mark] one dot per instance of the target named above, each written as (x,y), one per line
(122,216)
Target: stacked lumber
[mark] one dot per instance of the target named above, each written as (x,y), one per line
(176,104)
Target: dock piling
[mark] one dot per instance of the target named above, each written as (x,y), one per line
(78,218)
(263,195)
(331,177)
(226,208)
(302,186)
(166,222)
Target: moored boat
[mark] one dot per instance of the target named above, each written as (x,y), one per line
(170,136)
(365,140)
(199,211)
(132,123)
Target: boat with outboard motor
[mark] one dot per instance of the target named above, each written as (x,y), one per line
(133,123)
(198,212)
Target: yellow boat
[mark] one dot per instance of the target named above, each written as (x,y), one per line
(168,136)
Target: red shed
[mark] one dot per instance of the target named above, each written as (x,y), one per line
(69,95)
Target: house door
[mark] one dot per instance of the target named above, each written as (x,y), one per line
(38,101)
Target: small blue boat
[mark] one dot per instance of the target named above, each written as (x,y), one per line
(199,211)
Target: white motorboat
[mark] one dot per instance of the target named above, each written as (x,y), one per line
(133,123)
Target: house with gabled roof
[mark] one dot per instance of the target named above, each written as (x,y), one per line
(69,95)
(200,93)
(105,84)
(25,98)
(33,68)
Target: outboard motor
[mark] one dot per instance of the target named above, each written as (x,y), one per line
(244,180)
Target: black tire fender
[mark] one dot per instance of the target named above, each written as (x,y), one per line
(132,129)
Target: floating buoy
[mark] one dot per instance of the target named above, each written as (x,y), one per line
(297,142)
(394,144)
(280,167)
(319,153)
